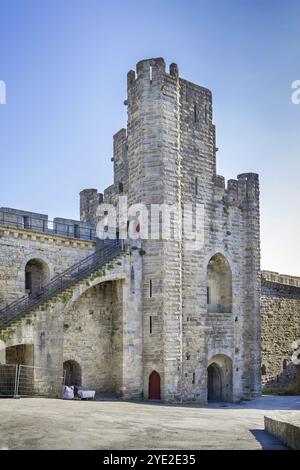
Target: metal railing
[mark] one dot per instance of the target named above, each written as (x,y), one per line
(63,228)
(19,380)
(39,381)
(79,271)
(8,380)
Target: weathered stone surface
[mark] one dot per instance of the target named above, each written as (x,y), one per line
(280,313)
(158,317)
(286,427)
(170,158)
(19,246)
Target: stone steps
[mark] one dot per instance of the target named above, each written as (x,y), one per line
(59,296)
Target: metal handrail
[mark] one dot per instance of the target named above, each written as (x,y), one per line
(80,270)
(76,230)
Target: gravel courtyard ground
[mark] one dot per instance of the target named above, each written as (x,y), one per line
(39,423)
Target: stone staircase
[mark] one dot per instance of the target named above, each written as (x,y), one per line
(62,285)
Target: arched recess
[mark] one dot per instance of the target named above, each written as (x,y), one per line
(37,274)
(94,319)
(219,285)
(154,386)
(219,378)
(72,373)
(214,383)
(22,354)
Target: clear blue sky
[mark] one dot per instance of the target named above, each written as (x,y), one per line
(65,63)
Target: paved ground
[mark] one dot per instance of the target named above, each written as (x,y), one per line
(39,423)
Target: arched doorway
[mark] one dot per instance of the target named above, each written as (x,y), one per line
(36,275)
(72,373)
(219,285)
(154,386)
(219,378)
(214,383)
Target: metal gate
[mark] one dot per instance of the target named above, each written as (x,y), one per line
(31,381)
(8,380)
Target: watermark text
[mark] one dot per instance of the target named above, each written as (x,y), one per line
(2,92)
(296,93)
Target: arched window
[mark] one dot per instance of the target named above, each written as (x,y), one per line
(195,113)
(284,364)
(263,370)
(219,285)
(36,275)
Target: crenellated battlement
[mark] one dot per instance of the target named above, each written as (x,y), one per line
(248,186)
(244,188)
(283,279)
(89,201)
(151,69)
(39,223)
(191,300)
(154,69)
(158,66)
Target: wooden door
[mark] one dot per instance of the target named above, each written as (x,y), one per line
(154,386)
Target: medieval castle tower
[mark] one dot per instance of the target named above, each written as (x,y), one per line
(148,318)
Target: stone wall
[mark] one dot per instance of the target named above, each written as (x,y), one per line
(280,312)
(89,202)
(19,246)
(93,337)
(167,155)
(96,322)
(171,157)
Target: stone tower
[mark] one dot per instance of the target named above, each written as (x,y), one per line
(172,313)
(200,305)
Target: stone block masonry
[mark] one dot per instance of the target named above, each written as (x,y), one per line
(286,427)
(168,155)
(180,324)
(280,313)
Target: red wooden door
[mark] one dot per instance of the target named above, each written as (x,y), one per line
(154,386)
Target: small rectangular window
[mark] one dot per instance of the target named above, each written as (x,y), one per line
(195,113)
(196,186)
(194,378)
(76,231)
(208,295)
(26,222)
(150,325)
(150,288)
(28,282)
